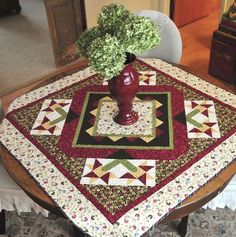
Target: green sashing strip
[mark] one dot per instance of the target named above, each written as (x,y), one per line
(125,163)
(171,143)
(81,120)
(189,118)
(170,122)
(63,114)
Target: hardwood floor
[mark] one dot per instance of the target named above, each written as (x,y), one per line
(196,39)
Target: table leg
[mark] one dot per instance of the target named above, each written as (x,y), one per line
(78,233)
(183,226)
(2,222)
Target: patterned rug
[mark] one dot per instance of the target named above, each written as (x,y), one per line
(203,223)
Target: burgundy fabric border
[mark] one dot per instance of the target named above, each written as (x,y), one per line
(179,130)
(108,215)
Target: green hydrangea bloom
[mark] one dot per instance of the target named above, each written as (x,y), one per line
(112,16)
(138,34)
(118,32)
(85,39)
(107,56)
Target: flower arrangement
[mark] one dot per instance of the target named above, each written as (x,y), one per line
(117,33)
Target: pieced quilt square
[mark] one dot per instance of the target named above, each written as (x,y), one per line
(51,118)
(94,133)
(201,119)
(117,172)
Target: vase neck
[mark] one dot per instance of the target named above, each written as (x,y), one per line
(130,57)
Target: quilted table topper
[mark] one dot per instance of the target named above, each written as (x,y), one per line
(114,180)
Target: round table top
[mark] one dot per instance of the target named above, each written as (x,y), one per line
(197,200)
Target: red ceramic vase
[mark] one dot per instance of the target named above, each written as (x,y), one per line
(123,89)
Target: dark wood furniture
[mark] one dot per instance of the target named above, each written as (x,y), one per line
(193,203)
(228,26)
(223,57)
(66,21)
(8,6)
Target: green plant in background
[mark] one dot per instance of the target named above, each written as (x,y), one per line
(118,32)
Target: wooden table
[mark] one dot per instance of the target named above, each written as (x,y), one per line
(201,197)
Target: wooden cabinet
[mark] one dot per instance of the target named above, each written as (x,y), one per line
(66,21)
(223,57)
(7,6)
(186,11)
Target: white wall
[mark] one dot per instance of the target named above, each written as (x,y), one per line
(93,7)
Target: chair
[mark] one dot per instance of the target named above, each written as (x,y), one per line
(12,197)
(170,47)
(226,198)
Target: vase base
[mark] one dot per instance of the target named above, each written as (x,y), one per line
(126,118)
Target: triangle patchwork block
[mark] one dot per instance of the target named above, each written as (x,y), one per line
(128,176)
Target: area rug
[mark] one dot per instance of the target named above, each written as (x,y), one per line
(26,50)
(203,223)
